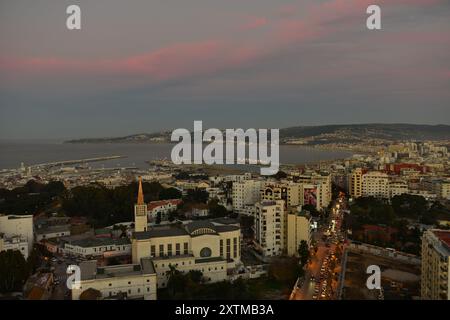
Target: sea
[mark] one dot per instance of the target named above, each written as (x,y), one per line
(31,152)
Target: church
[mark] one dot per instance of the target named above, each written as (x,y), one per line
(210,246)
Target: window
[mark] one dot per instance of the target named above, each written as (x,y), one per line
(234,247)
(228,249)
(148,289)
(185,248)
(221,248)
(153,251)
(161,250)
(169,249)
(205,252)
(177,249)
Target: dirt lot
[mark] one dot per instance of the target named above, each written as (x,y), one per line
(399,280)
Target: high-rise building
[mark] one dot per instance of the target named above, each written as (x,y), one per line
(435,277)
(298,228)
(315,185)
(355,183)
(269,227)
(375,184)
(245,193)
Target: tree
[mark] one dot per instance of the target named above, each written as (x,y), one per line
(90,294)
(158,218)
(170,193)
(303,252)
(13,271)
(216,210)
(197,196)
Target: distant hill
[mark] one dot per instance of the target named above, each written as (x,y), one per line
(375,131)
(316,135)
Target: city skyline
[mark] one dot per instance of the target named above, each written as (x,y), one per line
(145,67)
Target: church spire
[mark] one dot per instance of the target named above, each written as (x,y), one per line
(140,198)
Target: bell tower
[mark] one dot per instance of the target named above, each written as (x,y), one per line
(140,211)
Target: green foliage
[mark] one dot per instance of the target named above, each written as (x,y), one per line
(409,206)
(14,271)
(32,198)
(303,252)
(189,286)
(216,210)
(312,210)
(284,270)
(105,206)
(197,196)
(170,193)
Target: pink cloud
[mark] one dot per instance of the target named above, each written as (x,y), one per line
(204,57)
(254,23)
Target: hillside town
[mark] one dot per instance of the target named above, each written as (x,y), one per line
(170,232)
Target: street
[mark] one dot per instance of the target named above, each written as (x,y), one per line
(322,272)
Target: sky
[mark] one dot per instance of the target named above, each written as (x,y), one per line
(144,66)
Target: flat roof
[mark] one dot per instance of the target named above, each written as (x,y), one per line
(98,242)
(443,236)
(89,269)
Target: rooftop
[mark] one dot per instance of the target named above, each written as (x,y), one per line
(443,236)
(97,242)
(89,269)
(187,229)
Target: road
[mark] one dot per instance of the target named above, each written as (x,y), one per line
(322,273)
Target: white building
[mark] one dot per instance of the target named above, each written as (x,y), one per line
(244,193)
(375,184)
(52,232)
(14,243)
(132,281)
(442,189)
(397,188)
(269,227)
(13,226)
(162,208)
(97,247)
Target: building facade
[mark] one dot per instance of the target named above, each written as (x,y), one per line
(435,277)
(130,281)
(269,227)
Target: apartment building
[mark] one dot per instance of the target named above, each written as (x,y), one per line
(442,189)
(397,187)
(298,228)
(435,277)
(245,193)
(375,184)
(269,227)
(355,183)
